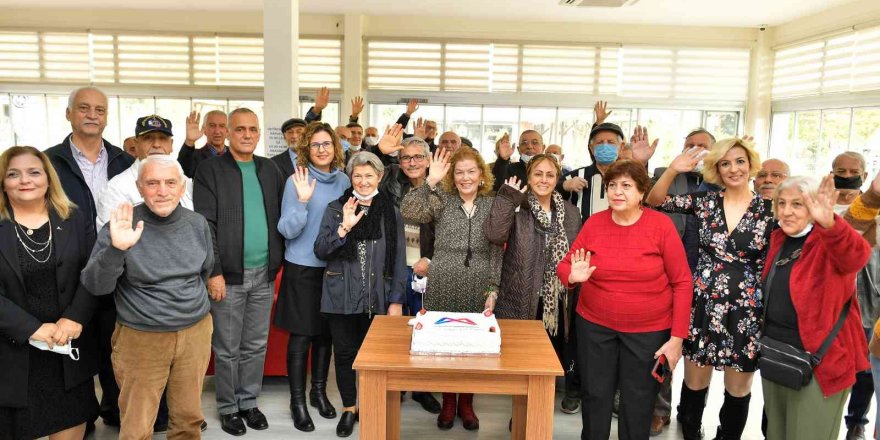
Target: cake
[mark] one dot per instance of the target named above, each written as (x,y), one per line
(456,334)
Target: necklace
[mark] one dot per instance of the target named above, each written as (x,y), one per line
(37,249)
(794,256)
(28,232)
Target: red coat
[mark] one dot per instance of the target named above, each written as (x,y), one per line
(821,281)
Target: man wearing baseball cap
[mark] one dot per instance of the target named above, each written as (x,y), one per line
(292,129)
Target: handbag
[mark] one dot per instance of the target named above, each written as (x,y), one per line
(785,364)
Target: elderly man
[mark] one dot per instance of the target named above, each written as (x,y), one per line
(371,136)
(153,136)
(214,129)
(129,145)
(85,162)
(531,143)
(156,258)
(240,195)
(556,151)
(449,141)
(292,129)
(773,172)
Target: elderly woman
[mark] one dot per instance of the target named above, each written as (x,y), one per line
(734,226)
(809,300)
(528,219)
(361,238)
(316,182)
(634,303)
(466,268)
(45,242)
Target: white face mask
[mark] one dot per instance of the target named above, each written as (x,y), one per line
(394,153)
(365,198)
(419,284)
(66,350)
(371,140)
(525,158)
(700,167)
(804,232)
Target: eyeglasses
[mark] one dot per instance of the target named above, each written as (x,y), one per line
(416,158)
(534,142)
(774,175)
(327,146)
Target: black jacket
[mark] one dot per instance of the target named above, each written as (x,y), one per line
(217,195)
(72,244)
(189,157)
(395,182)
(72,179)
(284,163)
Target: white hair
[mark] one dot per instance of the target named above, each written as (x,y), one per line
(162,160)
(72,97)
(805,184)
(413,140)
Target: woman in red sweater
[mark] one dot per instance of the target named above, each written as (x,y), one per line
(816,256)
(634,305)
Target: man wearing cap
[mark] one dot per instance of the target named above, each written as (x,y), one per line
(155,259)
(85,162)
(530,143)
(240,195)
(292,129)
(214,129)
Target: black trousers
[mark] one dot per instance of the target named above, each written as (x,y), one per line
(105,322)
(570,351)
(610,360)
(348,333)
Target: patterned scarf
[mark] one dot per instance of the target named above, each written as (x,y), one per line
(380,215)
(555,248)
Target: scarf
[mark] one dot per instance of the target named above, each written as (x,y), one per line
(380,213)
(555,248)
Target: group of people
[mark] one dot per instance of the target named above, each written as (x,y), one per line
(136,266)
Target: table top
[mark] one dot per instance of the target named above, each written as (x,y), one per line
(525,350)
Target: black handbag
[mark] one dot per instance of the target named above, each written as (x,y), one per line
(784,364)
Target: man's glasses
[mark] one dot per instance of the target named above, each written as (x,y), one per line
(327,146)
(774,175)
(416,158)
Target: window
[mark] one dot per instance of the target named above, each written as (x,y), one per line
(670,126)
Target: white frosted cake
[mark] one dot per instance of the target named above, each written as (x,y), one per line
(456,334)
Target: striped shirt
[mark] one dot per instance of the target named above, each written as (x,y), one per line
(95,174)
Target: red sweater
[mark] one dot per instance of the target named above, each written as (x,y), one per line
(642,282)
(821,281)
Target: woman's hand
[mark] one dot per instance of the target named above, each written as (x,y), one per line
(349,218)
(67,330)
(672,350)
(821,208)
(875,184)
(514,182)
(438,167)
(421,267)
(304,189)
(46,333)
(390,141)
(580,267)
(491,299)
(395,309)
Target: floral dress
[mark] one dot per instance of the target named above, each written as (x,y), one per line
(727,308)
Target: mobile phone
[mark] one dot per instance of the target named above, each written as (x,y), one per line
(661,369)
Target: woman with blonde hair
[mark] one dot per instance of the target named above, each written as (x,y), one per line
(734,231)
(44,242)
(466,268)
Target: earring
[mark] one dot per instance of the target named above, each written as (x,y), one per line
(482,182)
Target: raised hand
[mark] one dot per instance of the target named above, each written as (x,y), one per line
(390,141)
(349,218)
(45,333)
(322,98)
(821,207)
(600,110)
(419,129)
(304,188)
(580,267)
(122,236)
(438,167)
(514,182)
(194,130)
(505,150)
(357,105)
(875,184)
(687,160)
(411,106)
(642,150)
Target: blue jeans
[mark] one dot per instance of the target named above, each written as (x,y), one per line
(413,298)
(862,390)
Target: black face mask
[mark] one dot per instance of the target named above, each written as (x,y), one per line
(854,182)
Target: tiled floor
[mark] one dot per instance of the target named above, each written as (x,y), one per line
(494,412)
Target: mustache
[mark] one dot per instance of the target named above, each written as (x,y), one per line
(766,186)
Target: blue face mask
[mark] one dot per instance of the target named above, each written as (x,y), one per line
(605,154)
(345,145)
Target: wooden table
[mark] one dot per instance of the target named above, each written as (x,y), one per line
(526,369)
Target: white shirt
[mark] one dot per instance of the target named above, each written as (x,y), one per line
(123,188)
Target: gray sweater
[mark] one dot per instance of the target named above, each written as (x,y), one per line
(160,281)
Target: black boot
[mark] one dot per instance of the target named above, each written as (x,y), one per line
(320,370)
(691,412)
(297,353)
(733,416)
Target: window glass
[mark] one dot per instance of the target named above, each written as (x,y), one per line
(130,109)
(865,136)
(7,136)
(496,122)
(28,114)
(806,143)
(466,121)
(722,124)
(835,137)
(176,111)
(574,134)
(670,127)
(782,136)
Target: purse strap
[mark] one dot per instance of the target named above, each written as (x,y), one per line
(815,359)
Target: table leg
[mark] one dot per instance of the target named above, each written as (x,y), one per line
(373,404)
(539,414)
(392,415)
(520,407)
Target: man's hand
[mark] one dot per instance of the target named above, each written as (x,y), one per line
(46,333)
(419,130)
(322,98)
(217,287)
(194,131)
(67,331)
(122,236)
(505,150)
(395,309)
(390,141)
(575,184)
(421,267)
(357,106)
(600,110)
(642,150)
(411,106)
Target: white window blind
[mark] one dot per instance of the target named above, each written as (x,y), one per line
(194,60)
(400,65)
(558,69)
(843,63)
(684,73)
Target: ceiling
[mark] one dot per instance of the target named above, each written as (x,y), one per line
(737,13)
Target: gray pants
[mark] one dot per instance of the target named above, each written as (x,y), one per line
(241,332)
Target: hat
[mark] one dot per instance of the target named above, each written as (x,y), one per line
(292,122)
(151,123)
(466,141)
(606,126)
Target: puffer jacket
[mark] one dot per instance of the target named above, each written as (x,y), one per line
(511,221)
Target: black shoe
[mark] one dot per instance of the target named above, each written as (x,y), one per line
(160,428)
(232,424)
(204,426)
(571,405)
(90,428)
(346,424)
(301,418)
(428,402)
(111,420)
(318,399)
(254,418)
